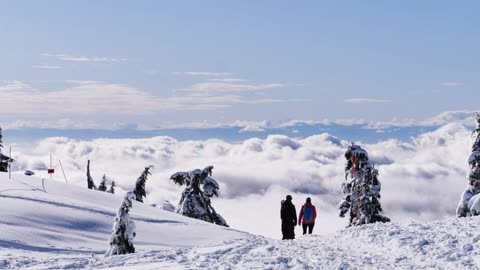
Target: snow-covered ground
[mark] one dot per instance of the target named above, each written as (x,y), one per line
(52,225)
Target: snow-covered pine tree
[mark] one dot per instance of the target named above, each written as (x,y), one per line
(1,139)
(469,204)
(123,231)
(139,189)
(196,197)
(112,187)
(3,158)
(90,183)
(103,184)
(361,189)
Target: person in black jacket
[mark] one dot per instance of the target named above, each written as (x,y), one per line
(289,218)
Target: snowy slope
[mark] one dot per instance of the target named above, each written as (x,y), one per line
(46,218)
(65,227)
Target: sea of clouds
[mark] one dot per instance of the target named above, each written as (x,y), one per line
(422,178)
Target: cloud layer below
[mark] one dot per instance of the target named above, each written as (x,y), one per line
(422,178)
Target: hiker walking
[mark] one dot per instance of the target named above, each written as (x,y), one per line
(289,218)
(307,216)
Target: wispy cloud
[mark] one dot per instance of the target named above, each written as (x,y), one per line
(13,86)
(453,84)
(91,97)
(63,124)
(203,73)
(46,67)
(83,82)
(228,80)
(365,100)
(67,57)
(232,87)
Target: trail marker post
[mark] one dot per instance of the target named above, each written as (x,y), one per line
(51,170)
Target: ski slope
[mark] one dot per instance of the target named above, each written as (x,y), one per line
(53,225)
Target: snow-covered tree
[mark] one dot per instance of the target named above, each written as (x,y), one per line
(112,187)
(361,189)
(1,139)
(139,189)
(123,231)
(3,159)
(469,204)
(196,197)
(90,183)
(103,184)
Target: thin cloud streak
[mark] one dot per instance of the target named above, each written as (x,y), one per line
(228,80)
(203,73)
(46,67)
(232,87)
(365,100)
(453,84)
(67,57)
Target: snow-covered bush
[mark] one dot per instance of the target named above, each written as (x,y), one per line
(196,198)
(103,185)
(112,187)
(168,206)
(123,232)
(361,189)
(469,204)
(139,189)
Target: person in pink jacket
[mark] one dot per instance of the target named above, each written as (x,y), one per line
(307,216)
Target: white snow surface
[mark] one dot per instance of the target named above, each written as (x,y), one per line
(58,226)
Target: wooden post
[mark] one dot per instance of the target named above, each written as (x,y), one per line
(51,166)
(10,163)
(63,171)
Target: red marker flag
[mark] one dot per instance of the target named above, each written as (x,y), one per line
(51,171)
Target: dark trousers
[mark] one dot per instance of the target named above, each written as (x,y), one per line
(310,228)
(288,230)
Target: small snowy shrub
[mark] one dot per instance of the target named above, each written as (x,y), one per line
(167,206)
(112,187)
(103,184)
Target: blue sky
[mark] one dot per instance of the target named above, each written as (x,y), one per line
(153,63)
